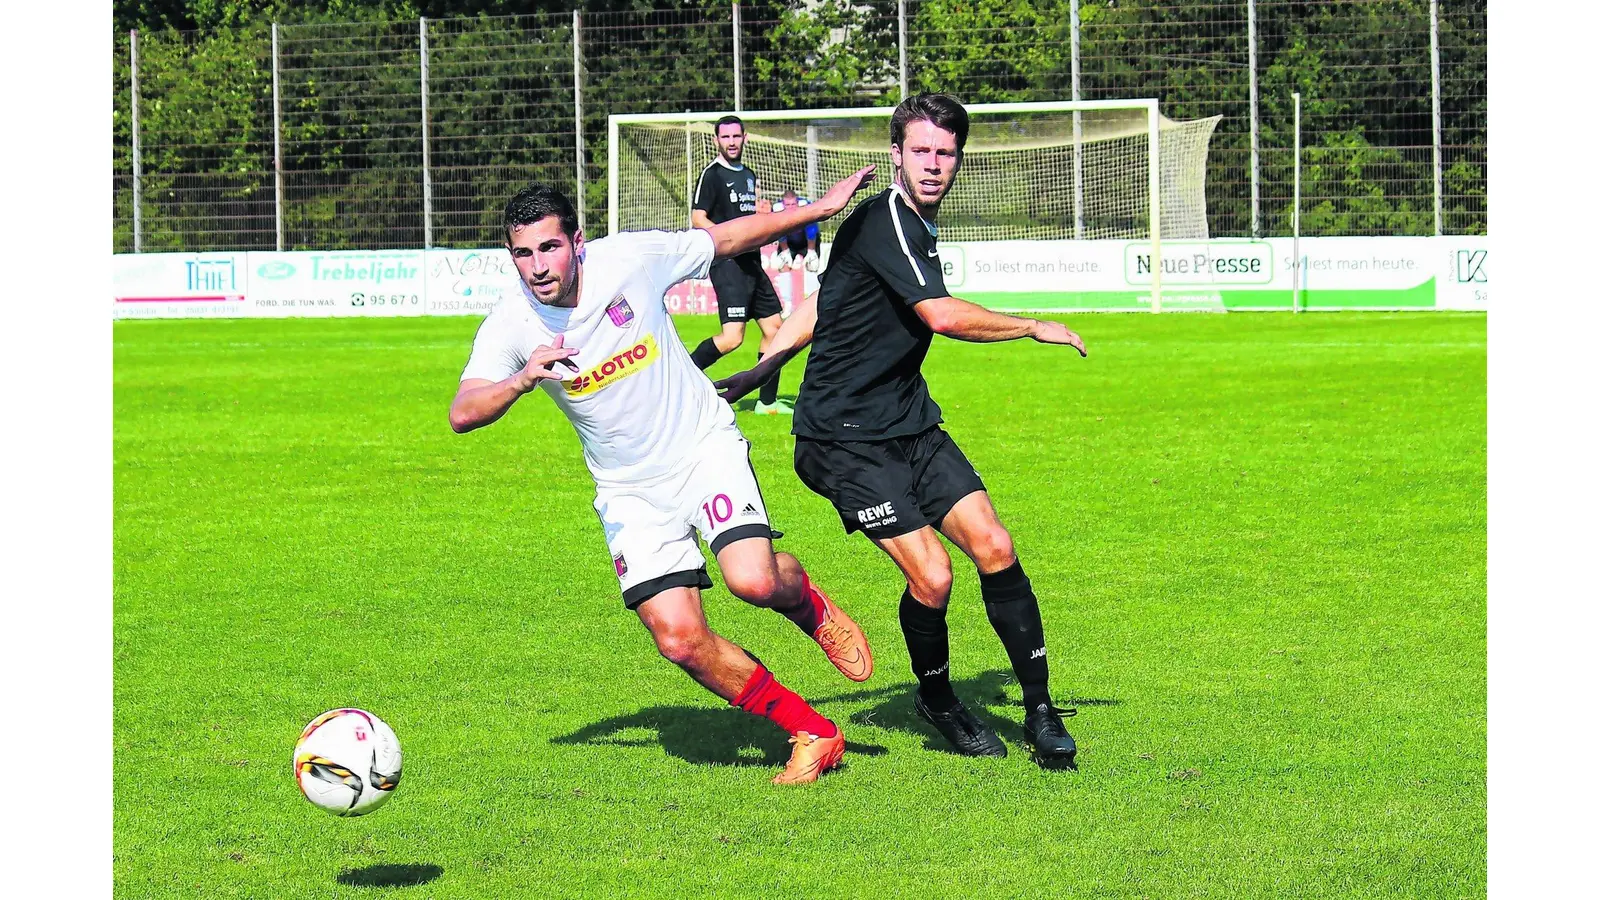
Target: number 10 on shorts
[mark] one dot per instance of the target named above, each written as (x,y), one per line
(718,511)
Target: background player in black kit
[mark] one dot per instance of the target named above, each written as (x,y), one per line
(867,433)
(727,190)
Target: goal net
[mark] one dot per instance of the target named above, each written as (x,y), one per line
(1032,171)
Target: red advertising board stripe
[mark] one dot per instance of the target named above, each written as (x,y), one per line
(212,299)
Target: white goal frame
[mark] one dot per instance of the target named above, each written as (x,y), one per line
(1150,106)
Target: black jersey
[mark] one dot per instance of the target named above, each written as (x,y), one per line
(863,381)
(726,193)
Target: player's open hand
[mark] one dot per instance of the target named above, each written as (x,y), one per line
(839,195)
(737,386)
(543,360)
(1046,332)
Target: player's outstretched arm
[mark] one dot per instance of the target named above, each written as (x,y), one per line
(747,233)
(792,337)
(956,318)
(481,402)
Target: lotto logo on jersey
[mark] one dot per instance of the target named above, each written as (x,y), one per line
(616,368)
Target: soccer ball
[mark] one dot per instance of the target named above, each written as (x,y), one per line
(347,761)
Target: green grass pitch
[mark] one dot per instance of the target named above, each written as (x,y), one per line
(1259,542)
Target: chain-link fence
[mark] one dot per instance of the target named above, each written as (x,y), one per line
(413,133)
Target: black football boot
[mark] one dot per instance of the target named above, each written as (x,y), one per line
(965,731)
(1043,732)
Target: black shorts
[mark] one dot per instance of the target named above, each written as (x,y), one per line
(744,292)
(888,488)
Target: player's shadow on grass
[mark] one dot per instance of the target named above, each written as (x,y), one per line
(698,735)
(984,694)
(387,875)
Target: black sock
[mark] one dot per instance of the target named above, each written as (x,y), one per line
(1014,612)
(706,355)
(769,390)
(928,640)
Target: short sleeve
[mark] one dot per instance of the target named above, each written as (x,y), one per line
(902,252)
(495,355)
(705,193)
(672,256)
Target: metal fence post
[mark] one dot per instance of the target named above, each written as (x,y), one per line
(1255,131)
(1154,112)
(427,176)
(688,165)
(905,80)
(277,142)
(1438,161)
(577,110)
(738,71)
(1299,270)
(1077,136)
(138,215)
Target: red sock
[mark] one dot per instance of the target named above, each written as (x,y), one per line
(808,615)
(764,696)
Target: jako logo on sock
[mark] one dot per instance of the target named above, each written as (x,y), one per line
(1036,654)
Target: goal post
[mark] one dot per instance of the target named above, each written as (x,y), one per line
(1140,176)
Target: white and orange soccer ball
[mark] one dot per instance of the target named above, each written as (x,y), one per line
(347,761)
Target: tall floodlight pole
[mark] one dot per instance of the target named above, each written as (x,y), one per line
(133,86)
(427,175)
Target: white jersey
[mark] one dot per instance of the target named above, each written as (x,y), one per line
(638,402)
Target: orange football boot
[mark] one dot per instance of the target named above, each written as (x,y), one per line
(842,640)
(812,756)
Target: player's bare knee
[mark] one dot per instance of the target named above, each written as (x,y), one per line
(681,645)
(758,587)
(931,584)
(730,340)
(993,551)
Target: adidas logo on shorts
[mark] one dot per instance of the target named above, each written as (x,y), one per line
(749,510)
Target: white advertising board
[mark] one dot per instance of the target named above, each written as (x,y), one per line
(337,283)
(468,282)
(178,285)
(1449,272)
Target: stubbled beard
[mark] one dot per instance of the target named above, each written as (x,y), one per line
(911,193)
(568,285)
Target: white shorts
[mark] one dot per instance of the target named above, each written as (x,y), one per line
(650,528)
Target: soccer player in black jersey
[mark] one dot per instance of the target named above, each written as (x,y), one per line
(727,191)
(867,434)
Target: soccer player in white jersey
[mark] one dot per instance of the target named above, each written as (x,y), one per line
(590,328)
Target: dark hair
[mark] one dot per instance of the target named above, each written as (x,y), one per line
(540,201)
(729,120)
(943,110)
